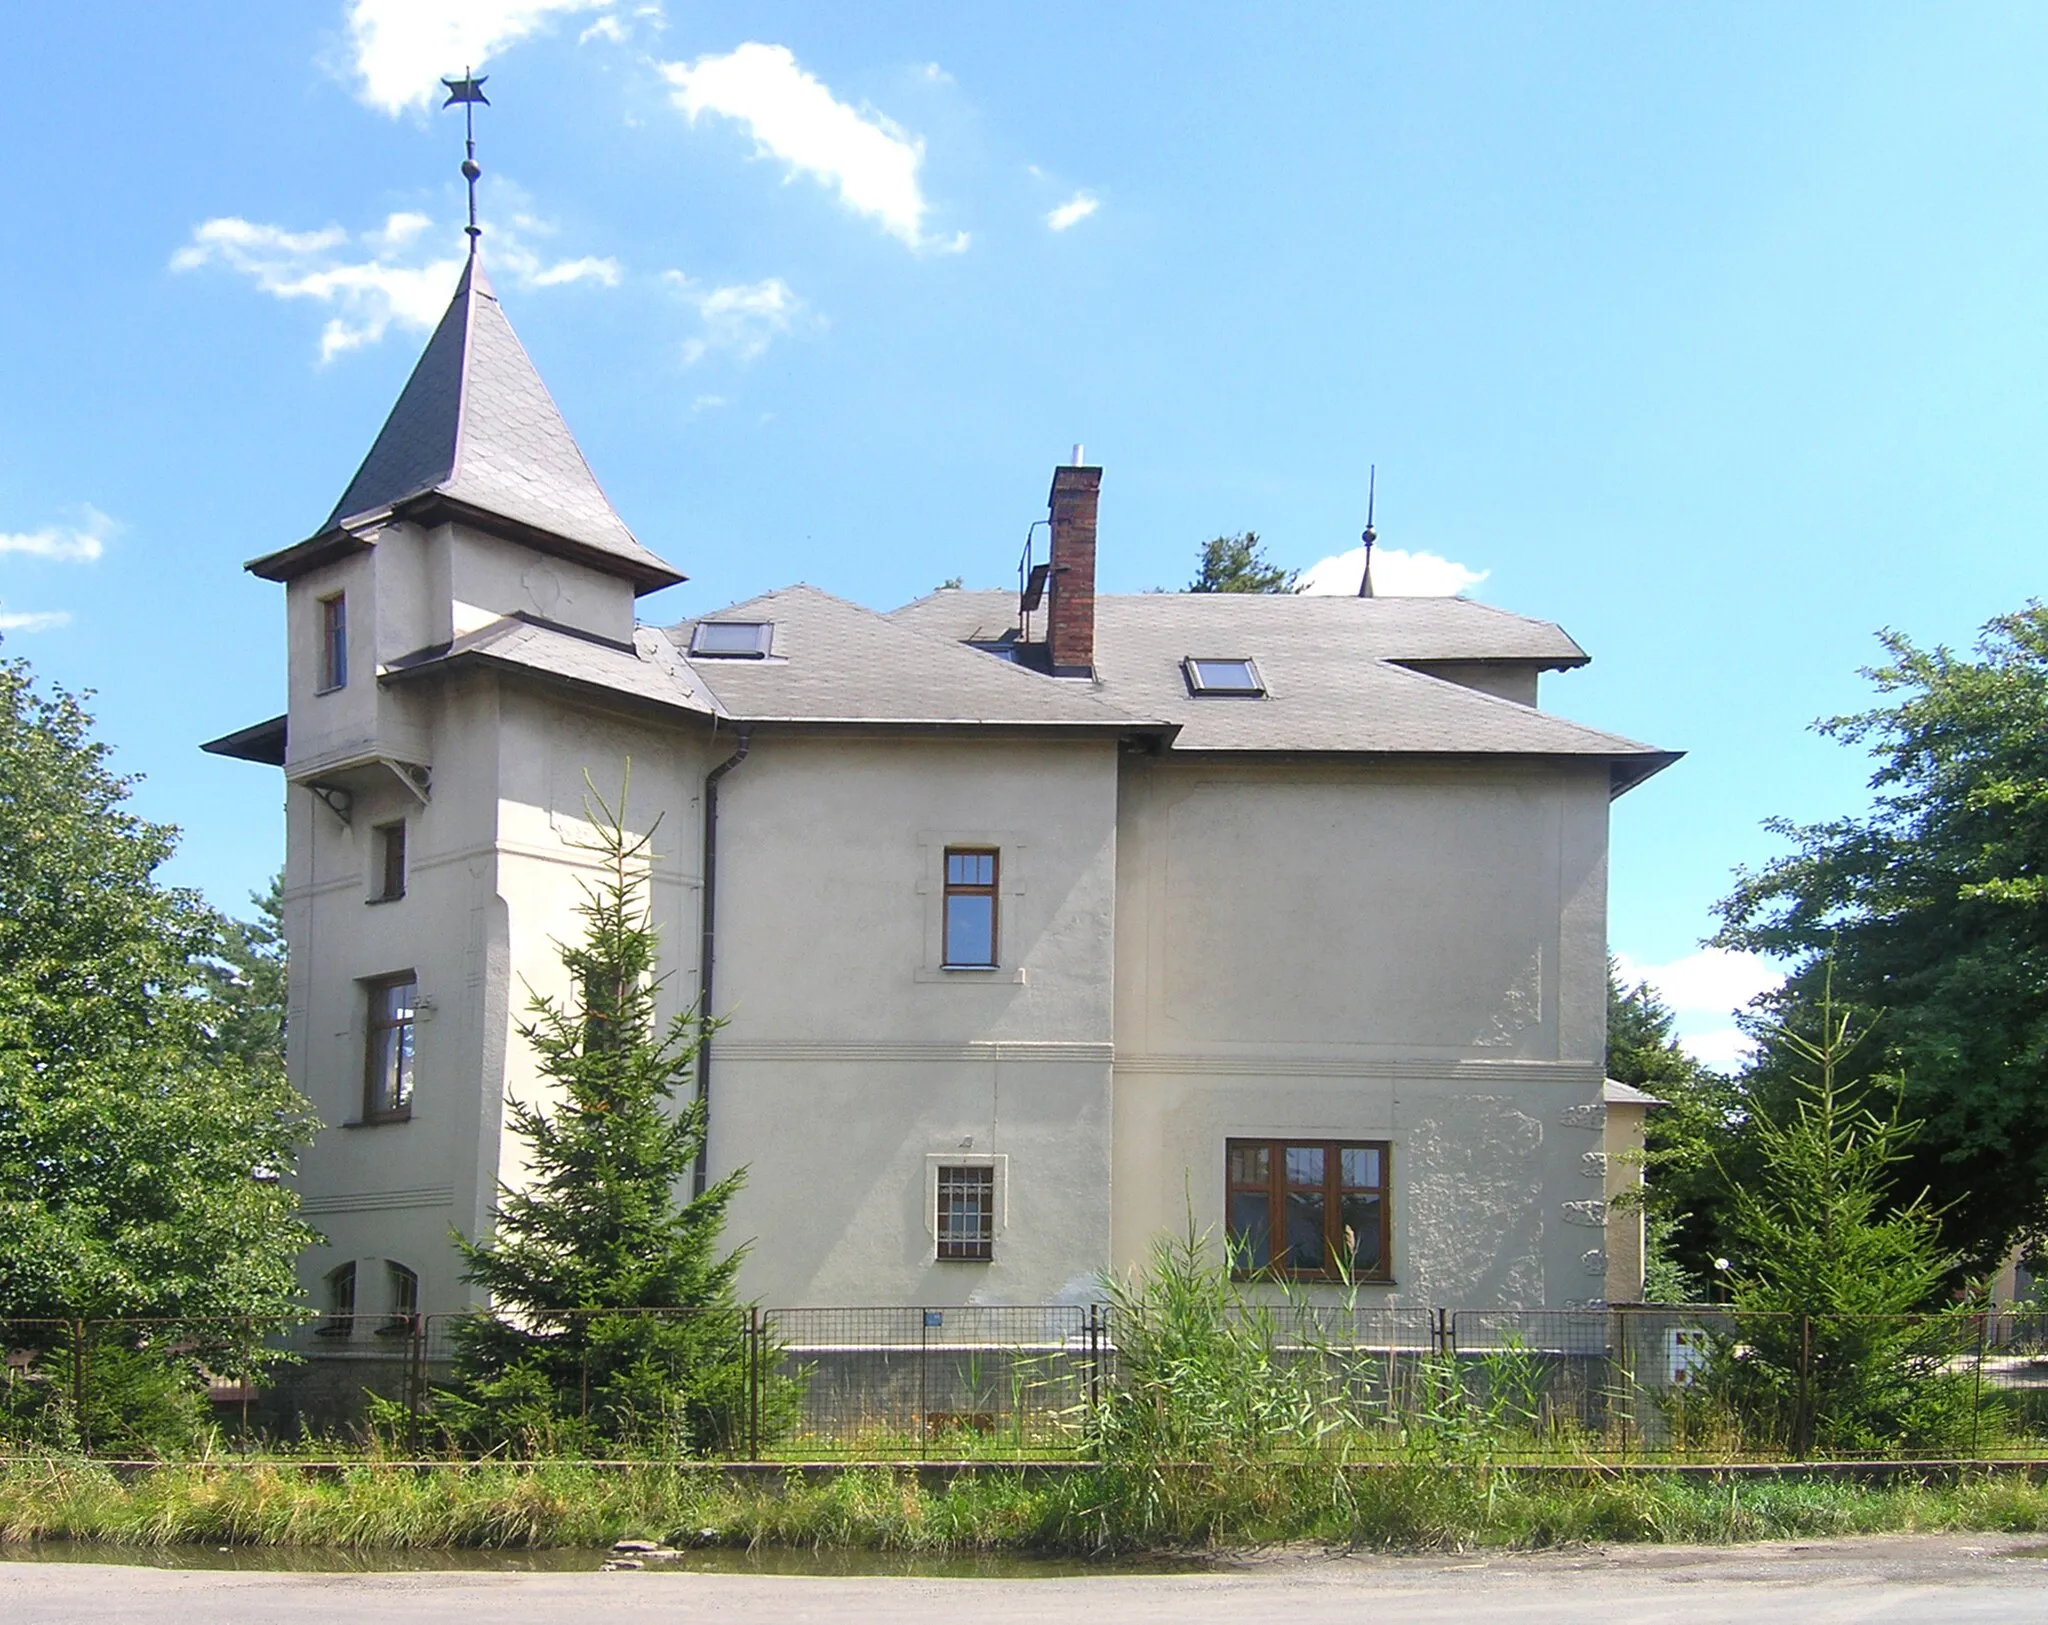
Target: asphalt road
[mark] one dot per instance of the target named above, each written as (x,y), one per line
(1922,1580)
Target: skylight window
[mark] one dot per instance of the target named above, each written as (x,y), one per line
(1240,677)
(733,640)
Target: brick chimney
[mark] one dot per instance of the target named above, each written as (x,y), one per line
(1070,620)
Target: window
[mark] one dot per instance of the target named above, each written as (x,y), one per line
(390,851)
(341,1302)
(404,1289)
(733,640)
(970,923)
(1314,1210)
(1239,677)
(387,1081)
(333,643)
(967,1213)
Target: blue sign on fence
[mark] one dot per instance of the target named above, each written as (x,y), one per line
(935,1317)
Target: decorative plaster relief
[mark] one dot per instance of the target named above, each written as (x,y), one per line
(1588,1115)
(1594,1261)
(1592,1212)
(1593,1164)
(1474,1230)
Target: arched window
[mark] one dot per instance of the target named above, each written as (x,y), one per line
(403,1292)
(341,1302)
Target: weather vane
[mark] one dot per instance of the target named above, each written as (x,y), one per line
(1372,481)
(469,90)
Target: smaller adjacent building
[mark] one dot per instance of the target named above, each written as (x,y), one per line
(1040,922)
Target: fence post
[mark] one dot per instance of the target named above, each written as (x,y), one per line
(754,1334)
(924,1345)
(78,1385)
(416,1385)
(1094,1358)
(1802,1420)
(248,1382)
(1977,1384)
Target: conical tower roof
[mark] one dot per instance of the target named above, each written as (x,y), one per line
(476,436)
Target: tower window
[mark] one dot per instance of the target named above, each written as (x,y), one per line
(390,857)
(341,1302)
(333,643)
(387,1071)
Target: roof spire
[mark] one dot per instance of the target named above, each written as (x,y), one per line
(469,91)
(1372,481)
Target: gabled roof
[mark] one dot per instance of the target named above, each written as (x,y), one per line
(1334,669)
(476,436)
(834,662)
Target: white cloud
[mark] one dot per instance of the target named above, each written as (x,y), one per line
(741,318)
(44,620)
(377,277)
(62,544)
(401,49)
(1713,981)
(872,161)
(1725,1049)
(1072,212)
(607,27)
(1395,574)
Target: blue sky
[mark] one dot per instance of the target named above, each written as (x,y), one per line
(1714,333)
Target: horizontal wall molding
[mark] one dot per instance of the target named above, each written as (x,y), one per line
(735,1049)
(379,1201)
(1294,1066)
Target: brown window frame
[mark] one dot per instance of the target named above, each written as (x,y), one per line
(333,642)
(391,855)
(340,1283)
(402,1285)
(992,891)
(374,1028)
(1332,1190)
(979,1247)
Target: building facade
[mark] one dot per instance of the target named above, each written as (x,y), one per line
(1040,923)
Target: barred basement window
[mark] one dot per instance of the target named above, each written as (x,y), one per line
(1311,1211)
(967,1213)
(404,1288)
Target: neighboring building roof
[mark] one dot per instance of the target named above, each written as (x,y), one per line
(260,742)
(1332,669)
(475,435)
(1613,1093)
(646,672)
(834,662)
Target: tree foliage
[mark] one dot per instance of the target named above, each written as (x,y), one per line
(1239,564)
(570,1355)
(142,1140)
(1835,1282)
(1686,1141)
(1933,908)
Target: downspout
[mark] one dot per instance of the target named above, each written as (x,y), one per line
(706,958)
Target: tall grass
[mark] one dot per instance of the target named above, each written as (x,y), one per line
(561,1506)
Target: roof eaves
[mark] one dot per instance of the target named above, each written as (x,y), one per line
(261,742)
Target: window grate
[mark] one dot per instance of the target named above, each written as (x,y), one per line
(967,1213)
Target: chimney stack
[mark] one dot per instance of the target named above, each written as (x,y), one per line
(1070,622)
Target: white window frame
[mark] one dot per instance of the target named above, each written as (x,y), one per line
(1000,1199)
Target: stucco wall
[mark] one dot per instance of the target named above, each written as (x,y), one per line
(851,1060)
(1398,952)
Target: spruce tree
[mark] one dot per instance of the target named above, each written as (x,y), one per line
(614,1320)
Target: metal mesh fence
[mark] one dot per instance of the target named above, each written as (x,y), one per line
(1019,1382)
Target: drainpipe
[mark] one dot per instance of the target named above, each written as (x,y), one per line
(705,951)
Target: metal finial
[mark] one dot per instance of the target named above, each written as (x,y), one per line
(1372,482)
(469,91)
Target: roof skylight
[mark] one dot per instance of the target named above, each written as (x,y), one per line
(733,640)
(1239,677)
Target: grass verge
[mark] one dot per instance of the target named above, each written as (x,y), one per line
(1103,1511)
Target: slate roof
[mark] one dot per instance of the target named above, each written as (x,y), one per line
(1615,1093)
(647,672)
(834,662)
(1332,670)
(476,428)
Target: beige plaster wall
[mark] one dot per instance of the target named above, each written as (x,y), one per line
(1412,953)
(1622,1147)
(852,1062)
